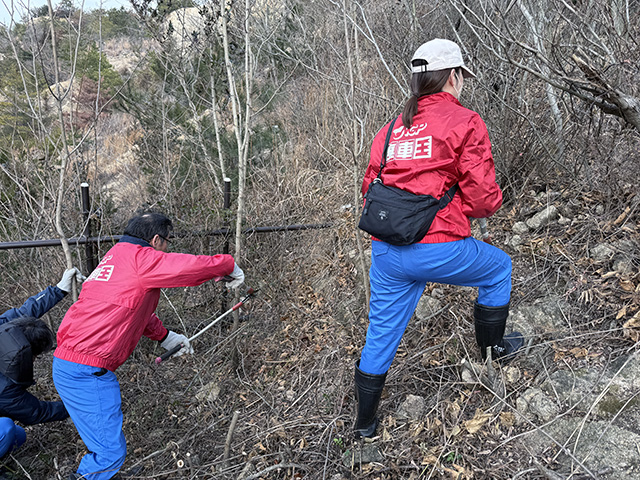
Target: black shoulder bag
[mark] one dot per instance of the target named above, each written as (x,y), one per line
(396,216)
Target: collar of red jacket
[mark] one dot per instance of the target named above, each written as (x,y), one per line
(134,240)
(437,97)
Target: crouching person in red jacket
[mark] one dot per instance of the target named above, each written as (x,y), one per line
(114,310)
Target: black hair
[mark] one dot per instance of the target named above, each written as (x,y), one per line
(424,83)
(37,333)
(149,224)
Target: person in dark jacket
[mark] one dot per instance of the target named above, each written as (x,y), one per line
(23,338)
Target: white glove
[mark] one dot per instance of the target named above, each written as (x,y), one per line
(67,278)
(174,339)
(237,275)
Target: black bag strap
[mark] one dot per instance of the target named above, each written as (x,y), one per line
(447,197)
(383,161)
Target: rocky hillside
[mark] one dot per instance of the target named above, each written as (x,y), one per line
(274,399)
(270,396)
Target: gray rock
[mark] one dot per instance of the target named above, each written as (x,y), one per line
(515,241)
(428,306)
(573,389)
(628,247)
(209,392)
(626,253)
(544,316)
(623,266)
(534,403)
(587,414)
(512,375)
(599,445)
(362,453)
(437,293)
(625,373)
(543,218)
(471,372)
(602,252)
(602,394)
(412,408)
(519,228)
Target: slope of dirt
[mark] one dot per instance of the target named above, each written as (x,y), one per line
(285,373)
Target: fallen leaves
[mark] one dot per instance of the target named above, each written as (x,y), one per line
(574,352)
(627,285)
(621,313)
(477,422)
(440,461)
(631,327)
(507,419)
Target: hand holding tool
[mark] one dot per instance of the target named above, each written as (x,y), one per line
(176,340)
(237,277)
(177,348)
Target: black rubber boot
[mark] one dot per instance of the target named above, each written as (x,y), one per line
(368,392)
(510,344)
(490,323)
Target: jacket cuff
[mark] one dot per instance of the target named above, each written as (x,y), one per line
(60,290)
(164,337)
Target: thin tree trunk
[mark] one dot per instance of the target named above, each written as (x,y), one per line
(64,157)
(216,126)
(552,97)
(355,149)
(240,127)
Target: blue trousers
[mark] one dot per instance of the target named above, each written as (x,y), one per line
(11,436)
(398,276)
(92,398)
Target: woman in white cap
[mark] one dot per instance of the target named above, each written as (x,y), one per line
(436,147)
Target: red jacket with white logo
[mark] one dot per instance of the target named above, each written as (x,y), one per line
(117,303)
(447,143)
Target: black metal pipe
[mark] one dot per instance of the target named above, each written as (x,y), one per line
(115,238)
(286,228)
(56,242)
(227,193)
(89,250)
(226,206)
(277,228)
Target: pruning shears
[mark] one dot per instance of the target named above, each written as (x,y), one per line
(250,293)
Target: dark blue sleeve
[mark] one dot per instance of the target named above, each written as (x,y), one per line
(35,306)
(18,404)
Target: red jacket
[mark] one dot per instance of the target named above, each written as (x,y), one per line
(447,143)
(117,303)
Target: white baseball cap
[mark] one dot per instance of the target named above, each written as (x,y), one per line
(439,54)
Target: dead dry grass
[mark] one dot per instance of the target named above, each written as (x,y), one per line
(286,372)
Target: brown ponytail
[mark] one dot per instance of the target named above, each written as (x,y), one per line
(423,83)
(410,109)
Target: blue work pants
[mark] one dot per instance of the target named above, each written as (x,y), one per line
(92,398)
(398,276)
(11,436)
